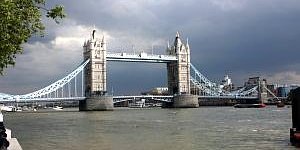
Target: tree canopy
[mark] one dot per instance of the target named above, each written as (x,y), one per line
(19,20)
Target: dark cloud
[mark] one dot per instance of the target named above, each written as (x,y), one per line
(243,38)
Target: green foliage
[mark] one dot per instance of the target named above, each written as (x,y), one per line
(19,20)
(56,13)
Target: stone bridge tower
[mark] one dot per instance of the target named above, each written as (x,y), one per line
(95,72)
(179,75)
(95,75)
(179,72)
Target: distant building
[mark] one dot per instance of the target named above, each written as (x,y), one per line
(226,84)
(253,81)
(294,86)
(157,91)
(283,91)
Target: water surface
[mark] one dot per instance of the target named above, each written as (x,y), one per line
(153,129)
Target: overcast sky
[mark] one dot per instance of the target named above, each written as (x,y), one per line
(242,38)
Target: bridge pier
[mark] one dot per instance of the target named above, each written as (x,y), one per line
(96,103)
(185,101)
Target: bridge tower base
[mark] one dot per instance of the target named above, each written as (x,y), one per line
(185,101)
(99,103)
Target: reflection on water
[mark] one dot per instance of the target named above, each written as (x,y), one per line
(137,129)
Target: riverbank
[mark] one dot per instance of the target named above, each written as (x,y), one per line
(13,142)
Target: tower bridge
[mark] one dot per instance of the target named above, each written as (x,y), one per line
(185,83)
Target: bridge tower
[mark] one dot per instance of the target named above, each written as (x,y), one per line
(95,76)
(179,74)
(262,91)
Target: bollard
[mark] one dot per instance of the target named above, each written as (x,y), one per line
(294,96)
(292,138)
(3,141)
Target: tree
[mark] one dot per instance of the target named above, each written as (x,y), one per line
(19,20)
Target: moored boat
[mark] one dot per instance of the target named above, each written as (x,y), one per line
(58,108)
(280,104)
(136,105)
(260,105)
(19,109)
(8,108)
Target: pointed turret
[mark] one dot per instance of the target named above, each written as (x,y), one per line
(103,42)
(85,42)
(177,42)
(168,50)
(103,39)
(187,43)
(93,33)
(177,34)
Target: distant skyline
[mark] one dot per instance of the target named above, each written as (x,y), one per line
(243,38)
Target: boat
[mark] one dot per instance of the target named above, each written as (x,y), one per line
(19,109)
(280,104)
(260,105)
(135,105)
(157,105)
(8,108)
(58,108)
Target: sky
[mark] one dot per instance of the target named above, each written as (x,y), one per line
(241,38)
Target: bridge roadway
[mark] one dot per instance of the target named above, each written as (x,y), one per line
(117,99)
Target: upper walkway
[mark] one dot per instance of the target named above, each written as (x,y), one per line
(141,57)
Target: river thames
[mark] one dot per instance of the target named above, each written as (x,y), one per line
(153,129)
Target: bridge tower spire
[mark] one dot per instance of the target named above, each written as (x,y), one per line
(95,75)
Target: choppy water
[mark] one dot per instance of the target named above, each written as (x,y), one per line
(153,129)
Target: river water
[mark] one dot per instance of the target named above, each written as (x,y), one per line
(153,129)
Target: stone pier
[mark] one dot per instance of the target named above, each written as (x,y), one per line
(185,101)
(97,103)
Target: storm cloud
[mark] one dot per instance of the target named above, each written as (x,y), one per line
(241,38)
